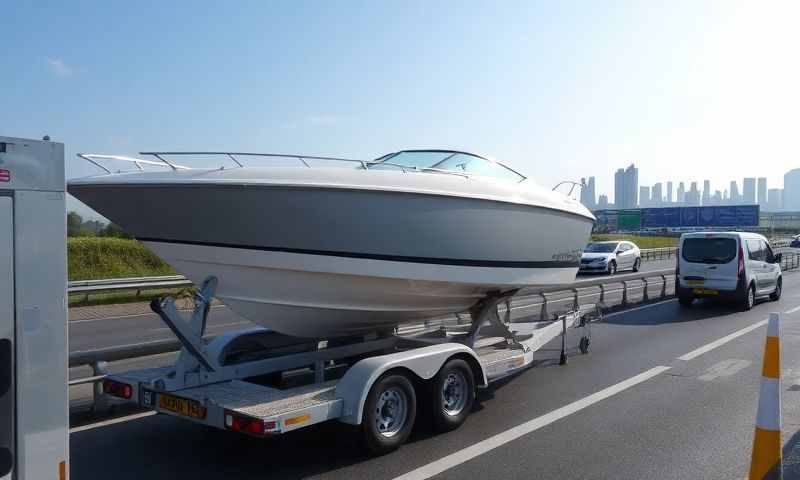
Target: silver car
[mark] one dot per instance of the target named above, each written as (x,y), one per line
(610,257)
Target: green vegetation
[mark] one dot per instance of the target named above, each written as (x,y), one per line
(641,241)
(92,258)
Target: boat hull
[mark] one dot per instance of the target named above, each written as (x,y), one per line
(323,262)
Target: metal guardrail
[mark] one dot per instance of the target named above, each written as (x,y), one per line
(660,253)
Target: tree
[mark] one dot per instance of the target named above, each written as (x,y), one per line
(74,224)
(113,230)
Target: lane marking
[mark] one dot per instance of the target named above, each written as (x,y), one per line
(221,325)
(642,307)
(721,341)
(113,421)
(466,454)
(725,368)
(792,310)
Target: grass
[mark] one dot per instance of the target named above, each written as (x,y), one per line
(640,241)
(93,258)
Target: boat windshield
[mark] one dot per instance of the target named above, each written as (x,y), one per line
(450,161)
(600,247)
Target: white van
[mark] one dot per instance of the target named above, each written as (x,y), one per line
(735,266)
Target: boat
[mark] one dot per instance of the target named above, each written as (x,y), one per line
(333,247)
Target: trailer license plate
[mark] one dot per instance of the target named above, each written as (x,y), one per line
(705,291)
(694,282)
(182,406)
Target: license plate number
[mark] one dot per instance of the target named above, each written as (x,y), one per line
(182,406)
(705,291)
(695,282)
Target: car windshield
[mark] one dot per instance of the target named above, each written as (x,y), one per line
(709,250)
(458,162)
(600,247)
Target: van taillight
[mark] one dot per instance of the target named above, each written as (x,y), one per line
(741,261)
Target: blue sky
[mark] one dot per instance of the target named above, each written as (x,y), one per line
(560,90)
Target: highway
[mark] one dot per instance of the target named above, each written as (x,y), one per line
(664,393)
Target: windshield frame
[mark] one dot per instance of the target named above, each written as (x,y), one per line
(386,159)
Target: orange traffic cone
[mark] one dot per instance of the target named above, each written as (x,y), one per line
(766,462)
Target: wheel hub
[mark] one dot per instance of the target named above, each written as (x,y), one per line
(454,394)
(391,411)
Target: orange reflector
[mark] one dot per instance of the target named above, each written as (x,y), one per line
(298,419)
(62,470)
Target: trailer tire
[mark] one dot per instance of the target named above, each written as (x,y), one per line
(452,395)
(389,413)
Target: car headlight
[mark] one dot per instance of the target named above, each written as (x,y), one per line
(600,260)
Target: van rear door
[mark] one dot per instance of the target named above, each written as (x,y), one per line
(710,261)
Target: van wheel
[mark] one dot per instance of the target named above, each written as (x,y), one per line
(637,264)
(749,298)
(776,295)
(612,267)
(452,392)
(389,414)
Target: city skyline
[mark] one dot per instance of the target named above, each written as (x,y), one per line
(753,191)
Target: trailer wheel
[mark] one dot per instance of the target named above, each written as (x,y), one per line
(452,393)
(389,414)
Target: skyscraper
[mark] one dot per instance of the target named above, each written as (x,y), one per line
(706,192)
(693,195)
(602,201)
(681,193)
(773,199)
(762,191)
(626,183)
(656,197)
(669,192)
(735,193)
(749,191)
(587,193)
(791,190)
(644,196)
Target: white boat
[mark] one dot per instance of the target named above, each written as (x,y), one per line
(319,251)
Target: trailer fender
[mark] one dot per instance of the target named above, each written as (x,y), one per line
(425,362)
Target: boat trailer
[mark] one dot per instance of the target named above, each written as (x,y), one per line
(263,383)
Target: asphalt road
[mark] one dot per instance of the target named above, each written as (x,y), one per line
(658,416)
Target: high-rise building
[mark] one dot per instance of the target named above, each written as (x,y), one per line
(602,201)
(791,190)
(773,199)
(626,184)
(762,191)
(725,197)
(656,197)
(644,196)
(706,192)
(669,192)
(681,193)
(717,198)
(693,195)
(735,193)
(587,193)
(749,191)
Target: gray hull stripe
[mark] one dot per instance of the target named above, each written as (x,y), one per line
(389,258)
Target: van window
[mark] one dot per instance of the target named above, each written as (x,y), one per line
(756,250)
(768,255)
(709,250)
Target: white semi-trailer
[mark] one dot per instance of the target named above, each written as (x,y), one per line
(33,314)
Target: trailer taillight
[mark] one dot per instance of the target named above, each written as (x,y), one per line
(117,389)
(244,424)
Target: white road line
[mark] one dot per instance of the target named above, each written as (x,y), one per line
(113,421)
(208,327)
(629,310)
(722,341)
(792,310)
(455,459)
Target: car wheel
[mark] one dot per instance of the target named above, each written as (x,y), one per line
(749,298)
(776,295)
(637,264)
(612,267)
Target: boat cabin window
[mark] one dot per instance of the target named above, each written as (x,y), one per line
(450,161)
